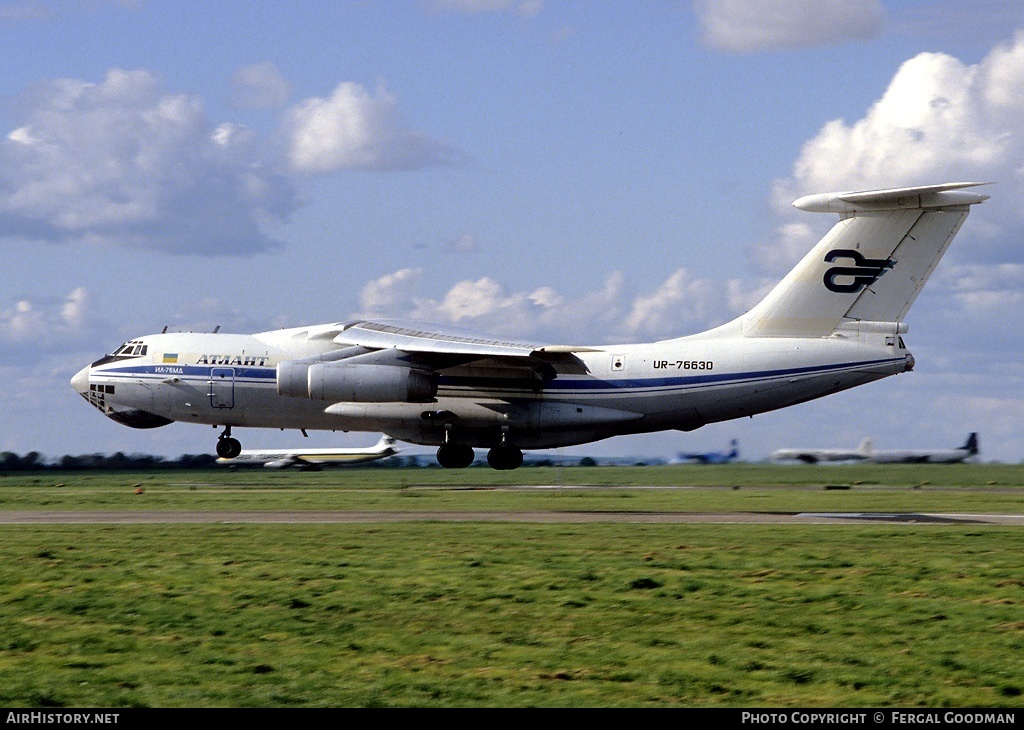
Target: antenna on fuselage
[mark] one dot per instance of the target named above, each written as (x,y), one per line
(216,329)
(164,330)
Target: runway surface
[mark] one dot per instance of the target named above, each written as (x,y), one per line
(42,517)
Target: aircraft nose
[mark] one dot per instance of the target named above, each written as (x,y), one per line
(81,380)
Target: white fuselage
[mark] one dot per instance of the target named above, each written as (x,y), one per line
(685,383)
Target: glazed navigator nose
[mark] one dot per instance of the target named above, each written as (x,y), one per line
(81,380)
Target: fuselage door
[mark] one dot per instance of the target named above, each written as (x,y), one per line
(222,387)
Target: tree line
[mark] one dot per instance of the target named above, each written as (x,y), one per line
(34,461)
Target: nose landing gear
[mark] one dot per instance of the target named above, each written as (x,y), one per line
(227,447)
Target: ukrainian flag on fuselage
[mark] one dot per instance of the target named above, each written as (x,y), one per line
(171,357)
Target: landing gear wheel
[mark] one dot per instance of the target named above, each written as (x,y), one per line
(455,456)
(505,458)
(228,448)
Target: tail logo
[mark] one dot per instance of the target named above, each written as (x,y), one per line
(864,272)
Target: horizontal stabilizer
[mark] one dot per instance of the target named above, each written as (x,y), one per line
(922,196)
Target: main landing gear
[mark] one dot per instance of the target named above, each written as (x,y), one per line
(455,456)
(459,456)
(227,447)
(505,458)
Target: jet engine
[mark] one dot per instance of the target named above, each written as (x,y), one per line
(355,382)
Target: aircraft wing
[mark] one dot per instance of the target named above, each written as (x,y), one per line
(444,346)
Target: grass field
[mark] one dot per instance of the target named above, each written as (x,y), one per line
(511,614)
(743,487)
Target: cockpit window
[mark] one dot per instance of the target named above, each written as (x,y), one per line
(128,349)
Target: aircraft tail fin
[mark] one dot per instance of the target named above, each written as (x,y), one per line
(971,446)
(871,266)
(866,448)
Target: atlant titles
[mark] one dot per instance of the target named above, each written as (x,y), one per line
(257,360)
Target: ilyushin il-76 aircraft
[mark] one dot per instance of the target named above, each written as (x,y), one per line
(834,322)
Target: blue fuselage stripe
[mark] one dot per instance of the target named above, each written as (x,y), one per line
(591,383)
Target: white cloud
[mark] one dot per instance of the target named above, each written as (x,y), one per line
(75,310)
(681,305)
(120,162)
(391,294)
(47,322)
(260,86)
(746,26)
(792,241)
(938,118)
(354,129)
(472,300)
(934,119)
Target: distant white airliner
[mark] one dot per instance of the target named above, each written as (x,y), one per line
(312,458)
(867,453)
(929,456)
(814,456)
(834,322)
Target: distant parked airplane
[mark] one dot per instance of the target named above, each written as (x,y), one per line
(813,456)
(312,458)
(929,456)
(866,452)
(714,457)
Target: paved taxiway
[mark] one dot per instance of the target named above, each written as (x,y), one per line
(43,517)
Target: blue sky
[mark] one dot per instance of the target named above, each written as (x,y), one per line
(579,172)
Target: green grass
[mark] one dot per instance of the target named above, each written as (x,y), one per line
(510,615)
(513,614)
(726,475)
(745,487)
